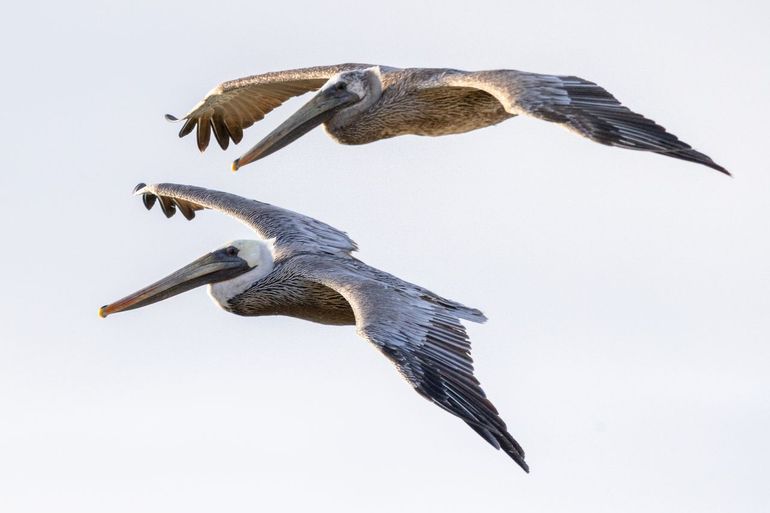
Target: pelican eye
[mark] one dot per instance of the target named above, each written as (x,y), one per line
(231,251)
(341,86)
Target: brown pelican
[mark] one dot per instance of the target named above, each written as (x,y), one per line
(304,268)
(360,103)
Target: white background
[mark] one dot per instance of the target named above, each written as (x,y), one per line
(628,293)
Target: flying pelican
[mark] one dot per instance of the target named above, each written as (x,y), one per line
(360,103)
(304,268)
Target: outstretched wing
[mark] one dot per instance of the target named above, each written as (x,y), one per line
(581,106)
(293,232)
(235,105)
(421,333)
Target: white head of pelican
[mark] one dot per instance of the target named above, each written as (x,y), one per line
(228,271)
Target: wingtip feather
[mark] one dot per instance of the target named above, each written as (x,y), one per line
(719,168)
(514,450)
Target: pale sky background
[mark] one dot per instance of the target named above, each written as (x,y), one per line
(628,344)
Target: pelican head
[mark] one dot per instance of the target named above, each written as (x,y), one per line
(228,271)
(342,97)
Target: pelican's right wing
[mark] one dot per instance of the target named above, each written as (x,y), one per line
(421,333)
(235,105)
(293,232)
(578,104)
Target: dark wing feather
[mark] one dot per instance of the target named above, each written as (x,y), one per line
(581,106)
(235,105)
(421,333)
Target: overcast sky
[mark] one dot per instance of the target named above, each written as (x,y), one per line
(627,346)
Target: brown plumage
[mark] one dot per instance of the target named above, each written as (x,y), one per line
(286,292)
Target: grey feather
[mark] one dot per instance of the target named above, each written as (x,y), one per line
(293,233)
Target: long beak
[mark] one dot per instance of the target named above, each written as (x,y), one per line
(313,113)
(209,268)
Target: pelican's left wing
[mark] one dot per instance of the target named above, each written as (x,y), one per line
(579,105)
(421,333)
(233,106)
(293,232)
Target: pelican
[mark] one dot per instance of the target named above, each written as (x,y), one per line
(303,268)
(361,103)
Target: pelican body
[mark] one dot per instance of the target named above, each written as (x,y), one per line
(396,103)
(360,103)
(303,268)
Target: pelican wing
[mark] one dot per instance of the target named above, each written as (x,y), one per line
(579,105)
(421,333)
(235,105)
(293,233)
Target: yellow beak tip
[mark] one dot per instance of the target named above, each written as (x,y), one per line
(102,312)
(235,165)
